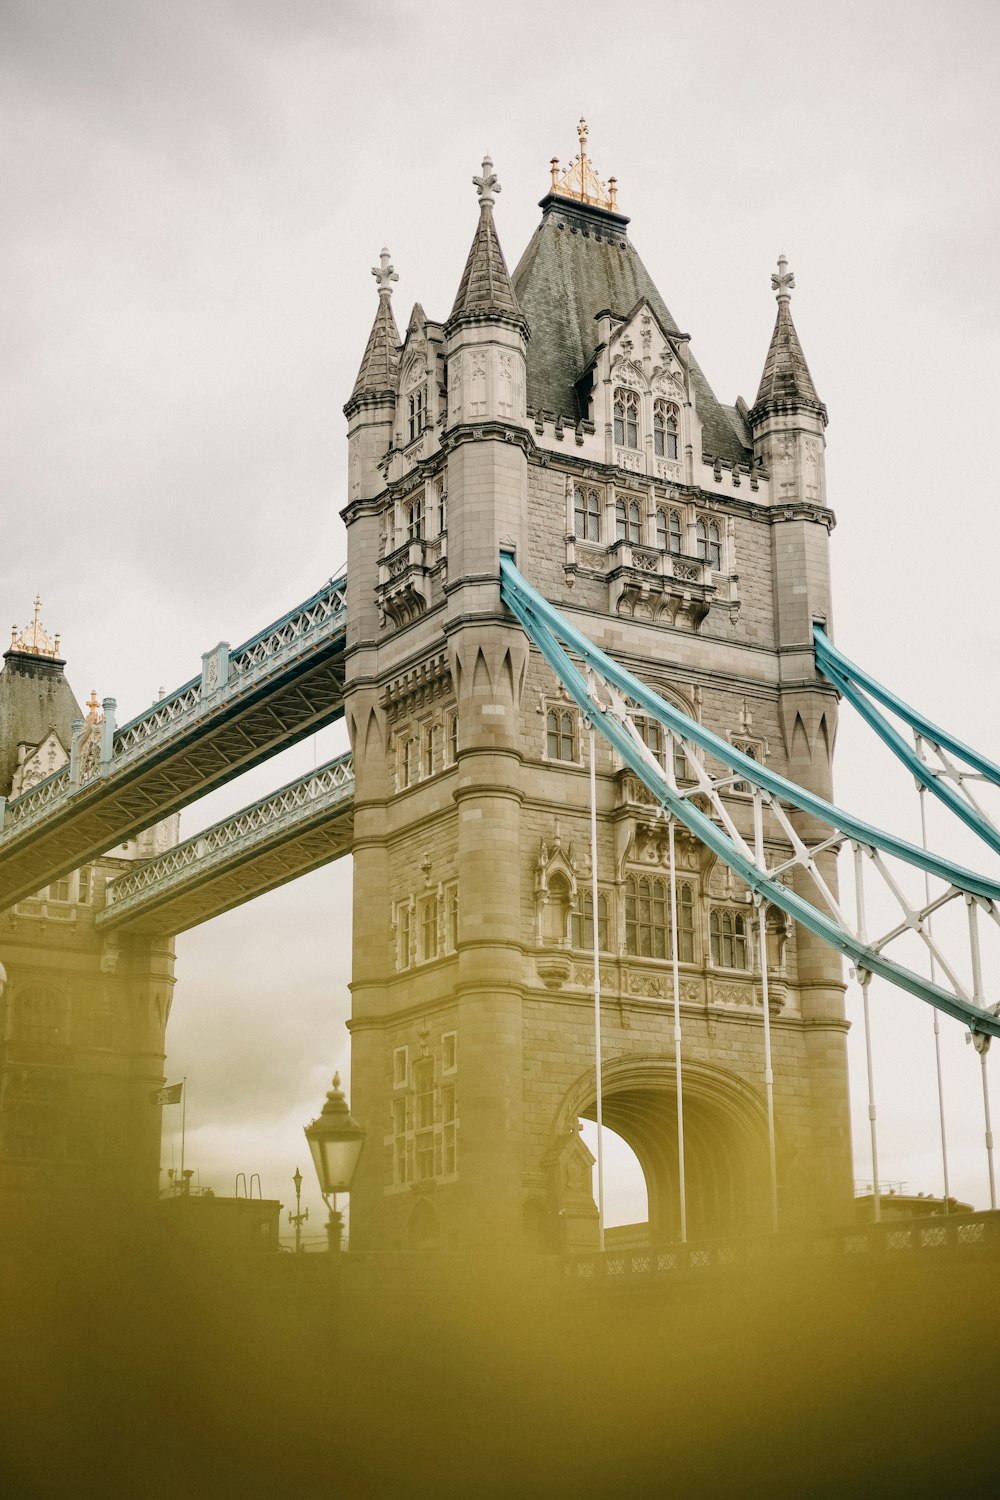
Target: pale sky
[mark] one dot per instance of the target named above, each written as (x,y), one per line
(194,193)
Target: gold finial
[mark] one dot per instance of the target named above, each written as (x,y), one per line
(579,181)
(93,705)
(34,639)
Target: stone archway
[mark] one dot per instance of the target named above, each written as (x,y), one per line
(725,1141)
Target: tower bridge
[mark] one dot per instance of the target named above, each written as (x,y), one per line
(589,800)
(281,685)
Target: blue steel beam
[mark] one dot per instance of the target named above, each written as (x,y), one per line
(552,633)
(849,680)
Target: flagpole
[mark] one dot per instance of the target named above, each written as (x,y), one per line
(184,1105)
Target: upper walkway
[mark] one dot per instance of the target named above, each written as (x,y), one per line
(249,703)
(302,826)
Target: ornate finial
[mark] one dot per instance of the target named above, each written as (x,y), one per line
(34,639)
(336,1082)
(580,181)
(384,274)
(488,184)
(783,280)
(92,707)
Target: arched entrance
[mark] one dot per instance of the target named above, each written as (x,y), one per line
(725,1142)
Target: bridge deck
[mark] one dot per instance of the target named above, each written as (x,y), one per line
(295,830)
(283,684)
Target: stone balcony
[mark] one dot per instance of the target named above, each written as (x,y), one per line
(403,590)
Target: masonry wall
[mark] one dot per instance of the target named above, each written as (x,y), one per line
(473,1051)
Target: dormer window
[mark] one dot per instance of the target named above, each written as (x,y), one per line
(668,530)
(586,514)
(626,419)
(628,522)
(416,413)
(666,430)
(709,545)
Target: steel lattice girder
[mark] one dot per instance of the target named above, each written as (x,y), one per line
(289,833)
(552,633)
(231,737)
(853,683)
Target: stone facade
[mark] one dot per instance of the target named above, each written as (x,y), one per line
(82,1018)
(688,540)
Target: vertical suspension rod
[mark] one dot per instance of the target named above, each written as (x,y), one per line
(865,979)
(922,790)
(597,990)
(678,1071)
(981,1041)
(758,833)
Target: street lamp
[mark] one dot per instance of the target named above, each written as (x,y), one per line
(335,1140)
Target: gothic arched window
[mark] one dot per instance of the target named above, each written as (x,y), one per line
(728,937)
(666,431)
(586,514)
(626,419)
(560,734)
(628,522)
(416,413)
(647,918)
(668,530)
(582,922)
(709,544)
(414,513)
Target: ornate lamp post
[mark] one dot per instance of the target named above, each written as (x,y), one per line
(335,1140)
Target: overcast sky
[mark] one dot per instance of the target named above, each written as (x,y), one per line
(194,193)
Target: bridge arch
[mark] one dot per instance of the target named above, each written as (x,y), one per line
(725,1140)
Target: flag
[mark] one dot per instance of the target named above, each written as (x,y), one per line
(169,1094)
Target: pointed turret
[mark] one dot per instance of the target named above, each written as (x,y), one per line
(377,375)
(786,381)
(485,292)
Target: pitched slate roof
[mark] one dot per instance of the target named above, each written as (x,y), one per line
(786,378)
(34,698)
(380,364)
(578,262)
(485,288)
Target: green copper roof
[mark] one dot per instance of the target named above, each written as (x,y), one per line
(578,262)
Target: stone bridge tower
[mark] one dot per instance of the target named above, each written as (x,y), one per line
(82,1017)
(560,411)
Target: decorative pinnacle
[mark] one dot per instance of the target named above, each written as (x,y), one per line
(487,185)
(94,707)
(783,280)
(583,132)
(384,274)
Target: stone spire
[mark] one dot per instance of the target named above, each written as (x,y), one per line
(786,380)
(377,375)
(485,291)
